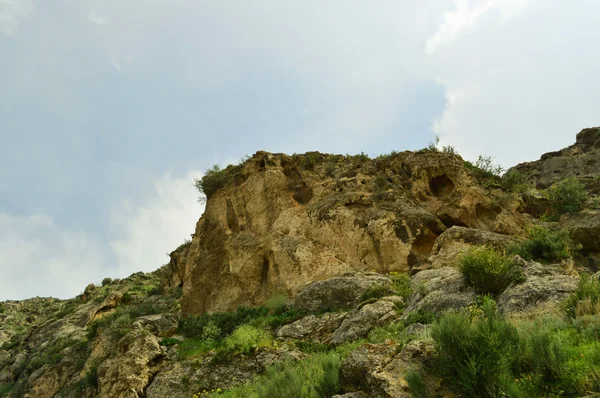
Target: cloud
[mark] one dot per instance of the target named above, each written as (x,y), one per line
(95,18)
(514,92)
(158,225)
(12,12)
(43,258)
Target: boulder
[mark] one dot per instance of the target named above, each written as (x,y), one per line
(456,240)
(545,287)
(128,373)
(438,290)
(162,325)
(312,327)
(337,293)
(584,228)
(359,323)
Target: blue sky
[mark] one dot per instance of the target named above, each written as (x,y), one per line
(109,109)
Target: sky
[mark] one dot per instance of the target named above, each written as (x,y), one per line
(109,108)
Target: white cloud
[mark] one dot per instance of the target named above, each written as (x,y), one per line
(97,19)
(41,258)
(12,12)
(157,226)
(521,81)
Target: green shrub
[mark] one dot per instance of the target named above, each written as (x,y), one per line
(214,179)
(585,300)
(192,347)
(488,270)
(420,316)
(315,377)
(106,281)
(169,341)
(401,284)
(311,347)
(514,181)
(375,292)
(416,384)
(545,245)
(246,339)
(2,309)
(277,304)
(476,356)
(227,322)
(5,389)
(567,196)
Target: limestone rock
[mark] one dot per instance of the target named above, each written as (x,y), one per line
(584,228)
(379,369)
(337,293)
(438,290)
(312,327)
(581,160)
(281,222)
(545,287)
(161,325)
(359,323)
(456,240)
(129,373)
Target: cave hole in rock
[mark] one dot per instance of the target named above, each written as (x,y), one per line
(441,185)
(303,194)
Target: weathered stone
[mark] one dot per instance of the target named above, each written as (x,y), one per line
(456,240)
(358,324)
(129,373)
(337,293)
(281,222)
(160,324)
(545,287)
(438,290)
(312,327)
(584,228)
(357,394)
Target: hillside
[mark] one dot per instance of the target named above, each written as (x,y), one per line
(316,275)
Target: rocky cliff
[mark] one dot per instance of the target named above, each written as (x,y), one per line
(340,264)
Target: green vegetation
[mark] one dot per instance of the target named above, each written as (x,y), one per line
(5,389)
(484,168)
(545,245)
(566,196)
(514,181)
(586,299)
(401,284)
(245,340)
(214,179)
(315,377)
(416,384)
(106,281)
(484,355)
(53,353)
(488,270)
(226,322)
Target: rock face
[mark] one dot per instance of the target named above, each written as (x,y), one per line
(581,160)
(280,222)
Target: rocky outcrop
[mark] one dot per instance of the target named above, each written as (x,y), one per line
(456,240)
(545,287)
(312,327)
(584,228)
(280,222)
(379,369)
(338,293)
(581,160)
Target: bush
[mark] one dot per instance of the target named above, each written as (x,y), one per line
(585,300)
(416,384)
(401,283)
(227,322)
(514,181)
(477,356)
(567,196)
(214,179)
(246,339)
(488,270)
(106,281)
(545,245)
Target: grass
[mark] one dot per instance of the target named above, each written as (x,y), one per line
(5,388)
(545,245)
(484,355)
(488,270)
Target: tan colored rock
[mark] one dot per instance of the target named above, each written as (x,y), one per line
(338,292)
(130,372)
(282,222)
(358,324)
(457,240)
(312,327)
